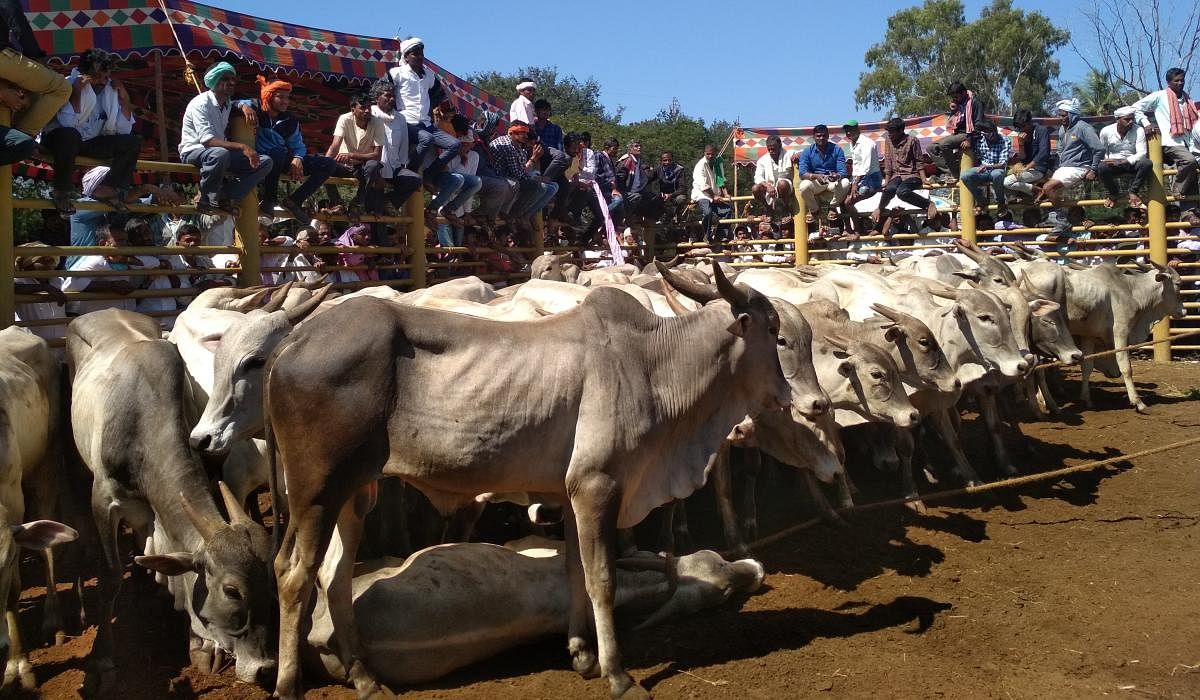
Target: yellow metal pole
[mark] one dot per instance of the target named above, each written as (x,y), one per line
(539,233)
(1156,219)
(966,202)
(8,290)
(414,208)
(246,226)
(799,227)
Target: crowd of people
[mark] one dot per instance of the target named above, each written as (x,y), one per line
(487,184)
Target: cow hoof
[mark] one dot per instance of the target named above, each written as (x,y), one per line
(917,507)
(622,686)
(585,663)
(100,679)
(19,674)
(1141,408)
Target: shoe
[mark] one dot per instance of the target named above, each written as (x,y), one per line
(116,200)
(298,211)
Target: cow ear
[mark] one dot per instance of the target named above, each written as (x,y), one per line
(953,309)
(1162,277)
(169,564)
(845,367)
(893,333)
(739,325)
(40,535)
(211,342)
(1041,307)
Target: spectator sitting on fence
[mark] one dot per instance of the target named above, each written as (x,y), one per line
(1079,152)
(902,174)
(822,169)
(1030,161)
(633,178)
(773,179)
(866,177)
(606,175)
(108,237)
(522,108)
(1124,154)
(30,90)
(1175,117)
(30,261)
(417,91)
(203,143)
(964,116)
(549,133)
(709,196)
(455,186)
(357,146)
(466,165)
(15,145)
(395,153)
(671,197)
(278,136)
(96,122)
(515,159)
(991,160)
(551,168)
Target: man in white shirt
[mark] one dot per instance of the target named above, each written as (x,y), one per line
(109,238)
(202,143)
(773,177)
(417,91)
(97,122)
(1124,153)
(522,109)
(394,157)
(1175,116)
(866,178)
(709,199)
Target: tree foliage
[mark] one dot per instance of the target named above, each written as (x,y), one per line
(568,94)
(1099,93)
(1006,57)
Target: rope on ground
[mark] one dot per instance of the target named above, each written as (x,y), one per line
(1148,343)
(968,490)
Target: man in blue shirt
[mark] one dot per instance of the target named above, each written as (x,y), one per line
(991,160)
(549,133)
(822,168)
(1031,162)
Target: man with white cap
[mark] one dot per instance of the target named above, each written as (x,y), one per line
(1079,152)
(203,143)
(522,109)
(1124,153)
(1175,117)
(418,90)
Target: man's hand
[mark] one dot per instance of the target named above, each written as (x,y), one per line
(13,97)
(1151,130)
(343,158)
(297,169)
(251,155)
(1091,175)
(250,114)
(122,93)
(537,152)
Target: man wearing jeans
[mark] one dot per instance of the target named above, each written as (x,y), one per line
(15,145)
(1124,153)
(202,143)
(866,178)
(1175,116)
(710,197)
(902,172)
(358,142)
(991,160)
(1031,162)
(417,91)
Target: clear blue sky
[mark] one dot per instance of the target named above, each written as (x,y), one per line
(807,56)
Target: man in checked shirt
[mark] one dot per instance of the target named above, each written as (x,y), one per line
(991,160)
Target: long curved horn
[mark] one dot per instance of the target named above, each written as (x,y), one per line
(298,313)
(278,297)
(237,514)
(205,525)
(943,292)
(838,342)
(672,302)
(969,249)
(887,312)
(245,302)
(1076,265)
(700,293)
(1157,266)
(736,297)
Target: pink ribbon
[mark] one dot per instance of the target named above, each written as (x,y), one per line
(614,243)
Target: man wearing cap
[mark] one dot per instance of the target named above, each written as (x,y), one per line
(418,90)
(202,143)
(773,177)
(1079,152)
(522,109)
(1175,117)
(822,170)
(279,137)
(1124,153)
(865,176)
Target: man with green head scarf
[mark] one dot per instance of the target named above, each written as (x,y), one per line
(203,143)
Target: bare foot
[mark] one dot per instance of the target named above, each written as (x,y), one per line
(1110,203)
(1135,201)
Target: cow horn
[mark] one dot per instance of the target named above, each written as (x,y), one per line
(205,525)
(1160,268)
(888,312)
(245,302)
(970,250)
(1076,265)
(839,342)
(736,297)
(298,313)
(672,302)
(278,297)
(700,293)
(317,283)
(237,514)
(943,291)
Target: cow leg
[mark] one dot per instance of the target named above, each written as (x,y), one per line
(100,667)
(820,502)
(1030,387)
(945,429)
(461,523)
(666,529)
(595,499)
(18,668)
(579,622)
(749,508)
(683,536)
(52,623)
(339,590)
(991,418)
(1047,398)
(1120,341)
(906,446)
(1088,346)
(723,490)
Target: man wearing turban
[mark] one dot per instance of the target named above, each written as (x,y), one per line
(418,91)
(1124,154)
(203,143)
(279,138)
(1079,152)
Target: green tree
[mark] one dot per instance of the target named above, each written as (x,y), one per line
(1006,57)
(568,95)
(1099,93)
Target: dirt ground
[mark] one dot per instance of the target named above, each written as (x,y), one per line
(1084,587)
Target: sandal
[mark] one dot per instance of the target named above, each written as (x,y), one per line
(116,200)
(62,203)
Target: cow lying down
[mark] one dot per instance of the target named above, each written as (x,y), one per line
(451,605)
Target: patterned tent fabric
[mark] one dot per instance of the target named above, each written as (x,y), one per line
(750,144)
(139,28)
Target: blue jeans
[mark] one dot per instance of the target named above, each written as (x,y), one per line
(534,196)
(870,183)
(317,168)
(17,145)
(975,179)
(450,236)
(422,137)
(471,185)
(216,163)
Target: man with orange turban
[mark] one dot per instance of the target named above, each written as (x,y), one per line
(279,137)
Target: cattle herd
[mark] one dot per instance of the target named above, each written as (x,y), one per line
(593,397)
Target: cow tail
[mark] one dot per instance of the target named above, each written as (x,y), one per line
(277,504)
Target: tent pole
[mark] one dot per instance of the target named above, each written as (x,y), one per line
(163,146)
